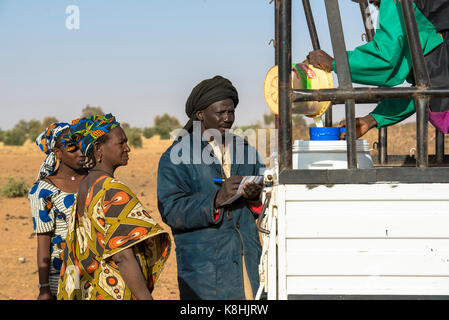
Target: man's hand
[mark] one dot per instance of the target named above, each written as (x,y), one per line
(363,125)
(251,191)
(228,189)
(321,60)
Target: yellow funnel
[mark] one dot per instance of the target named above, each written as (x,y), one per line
(304,76)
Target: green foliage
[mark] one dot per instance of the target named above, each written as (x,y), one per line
(268,118)
(14,189)
(2,134)
(166,120)
(134,136)
(89,110)
(14,137)
(148,132)
(22,125)
(163,132)
(34,129)
(31,128)
(47,122)
(165,124)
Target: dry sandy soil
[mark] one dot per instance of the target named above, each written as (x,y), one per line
(18,280)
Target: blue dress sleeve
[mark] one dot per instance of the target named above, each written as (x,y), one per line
(42,210)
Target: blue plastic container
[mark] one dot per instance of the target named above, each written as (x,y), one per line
(325,133)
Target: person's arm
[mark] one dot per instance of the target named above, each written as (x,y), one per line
(180,208)
(228,189)
(392,111)
(386,60)
(44,224)
(122,224)
(43,265)
(253,191)
(131,274)
(387,113)
(381,62)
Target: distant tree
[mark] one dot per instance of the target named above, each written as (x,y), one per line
(148,132)
(165,124)
(22,125)
(268,118)
(14,137)
(125,125)
(34,129)
(89,110)
(47,122)
(134,136)
(2,134)
(31,128)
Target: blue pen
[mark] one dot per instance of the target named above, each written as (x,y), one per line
(219,180)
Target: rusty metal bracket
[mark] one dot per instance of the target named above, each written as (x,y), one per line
(262,213)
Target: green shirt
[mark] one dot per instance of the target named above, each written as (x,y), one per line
(386,61)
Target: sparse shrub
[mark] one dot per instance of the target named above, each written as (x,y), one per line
(31,128)
(163,132)
(148,132)
(14,137)
(34,129)
(47,121)
(14,189)
(125,125)
(165,124)
(89,110)
(134,136)
(268,118)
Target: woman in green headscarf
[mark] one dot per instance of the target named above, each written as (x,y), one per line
(115,250)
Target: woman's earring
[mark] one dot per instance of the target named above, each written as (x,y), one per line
(58,162)
(99,159)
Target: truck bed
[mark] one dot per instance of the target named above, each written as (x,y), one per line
(358,240)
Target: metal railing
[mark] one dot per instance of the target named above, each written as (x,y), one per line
(346,93)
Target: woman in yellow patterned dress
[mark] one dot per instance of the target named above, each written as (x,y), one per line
(114,250)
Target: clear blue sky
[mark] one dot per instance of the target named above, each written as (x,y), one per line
(141,58)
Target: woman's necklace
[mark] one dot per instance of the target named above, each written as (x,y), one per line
(108,173)
(72,177)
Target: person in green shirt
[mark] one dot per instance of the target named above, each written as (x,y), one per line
(386,61)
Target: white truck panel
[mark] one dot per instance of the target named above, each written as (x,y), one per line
(353,239)
(367,219)
(373,285)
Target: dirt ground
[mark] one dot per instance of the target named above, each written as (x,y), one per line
(18,279)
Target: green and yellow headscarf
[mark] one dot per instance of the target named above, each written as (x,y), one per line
(84,132)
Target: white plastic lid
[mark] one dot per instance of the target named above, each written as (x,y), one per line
(328,145)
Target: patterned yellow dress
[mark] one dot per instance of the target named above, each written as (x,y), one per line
(113,220)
